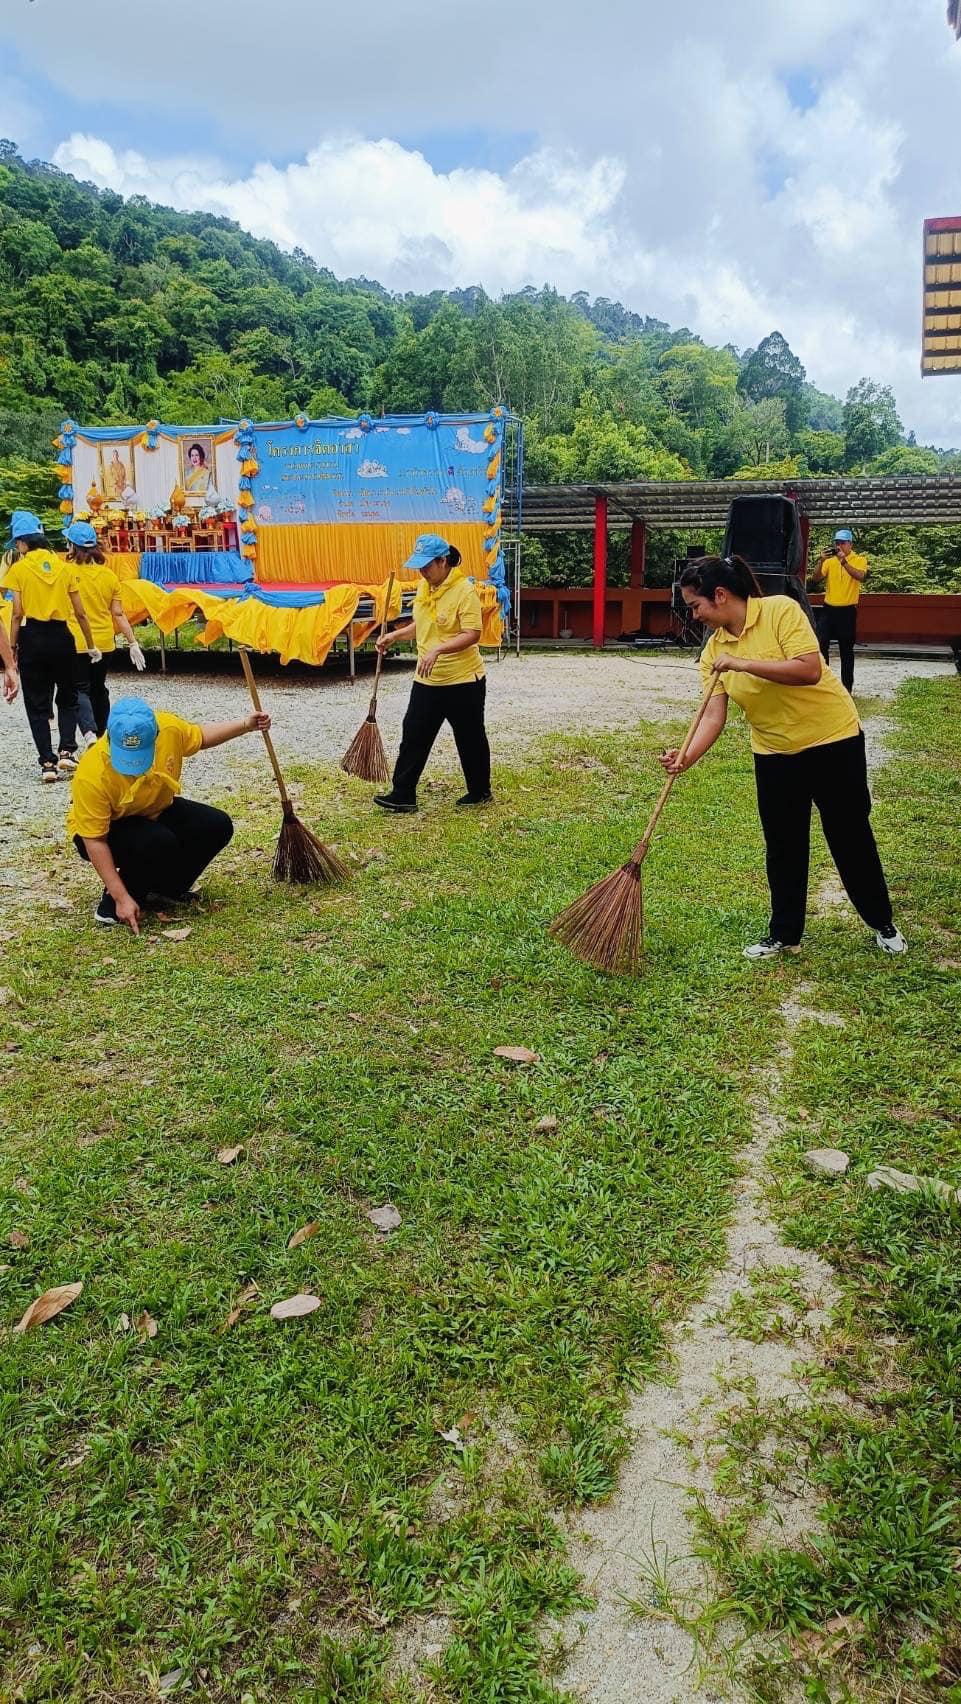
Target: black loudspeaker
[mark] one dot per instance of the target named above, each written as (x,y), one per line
(766,531)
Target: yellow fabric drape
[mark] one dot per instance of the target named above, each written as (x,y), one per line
(306,634)
(351,551)
(125,564)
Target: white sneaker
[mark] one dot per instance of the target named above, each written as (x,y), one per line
(891,940)
(87,740)
(768,947)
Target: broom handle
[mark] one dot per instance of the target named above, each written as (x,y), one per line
(665,792)
(268,742)
(380,655)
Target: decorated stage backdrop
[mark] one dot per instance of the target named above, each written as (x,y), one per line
(320,507)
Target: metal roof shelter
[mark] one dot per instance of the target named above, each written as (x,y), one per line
(636,506)
(918,500)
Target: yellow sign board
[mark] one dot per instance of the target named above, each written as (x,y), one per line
(941,322)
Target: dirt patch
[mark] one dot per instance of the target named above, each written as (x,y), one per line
(636,1552)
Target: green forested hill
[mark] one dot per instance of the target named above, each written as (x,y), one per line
(114,311)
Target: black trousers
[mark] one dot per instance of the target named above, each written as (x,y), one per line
(429,708)
(166,854)
(834,778)
(47,655)
(93,699)
(839,621)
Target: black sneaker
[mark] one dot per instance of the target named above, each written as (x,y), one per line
(387,802)
(67,762)
(474,799)
(767,948)
(162,900)
(105,911)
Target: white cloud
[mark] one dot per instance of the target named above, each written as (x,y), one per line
(678,176)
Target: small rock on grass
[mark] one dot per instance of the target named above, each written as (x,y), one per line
(827,1162)
(907,1183)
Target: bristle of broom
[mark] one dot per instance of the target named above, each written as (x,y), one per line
(365,756)
(301,857)
(605,927)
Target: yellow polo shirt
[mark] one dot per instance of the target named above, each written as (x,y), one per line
(44,581)
(98,588)
(783,719)
(840,589)
(99,795)
(452,609)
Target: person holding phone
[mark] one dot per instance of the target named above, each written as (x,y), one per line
(844,573)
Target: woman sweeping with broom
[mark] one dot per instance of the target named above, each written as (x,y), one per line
(450,684)
(807,741)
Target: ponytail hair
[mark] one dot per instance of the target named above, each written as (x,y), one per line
(454,557)
(707,573)
(93,553)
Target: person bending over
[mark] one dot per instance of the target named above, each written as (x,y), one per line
(127,817)
(807,741)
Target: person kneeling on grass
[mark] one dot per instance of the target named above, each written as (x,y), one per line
(126,815)
(450,685)
(807,741)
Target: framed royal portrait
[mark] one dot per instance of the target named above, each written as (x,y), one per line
(116,470)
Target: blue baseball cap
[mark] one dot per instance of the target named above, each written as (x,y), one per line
(82,534)
(23,522)
(426,548)
(132,731)
(844,535)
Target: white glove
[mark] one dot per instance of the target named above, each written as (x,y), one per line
(95,655)
(137,658)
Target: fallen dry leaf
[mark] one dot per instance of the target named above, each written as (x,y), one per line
(248,1294)
(18,1239)
(453,1437)
(519,1055)
(295,1307)
(548,1122)
(177,934)
(123,1323)
(49,1305)
(305,1232)
(169,1682)
(227,1156)
(145,1325)
(385,1218)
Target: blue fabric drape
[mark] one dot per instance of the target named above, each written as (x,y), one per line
(195,567)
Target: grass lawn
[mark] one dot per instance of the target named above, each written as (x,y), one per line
(882,1446)
(272,1509)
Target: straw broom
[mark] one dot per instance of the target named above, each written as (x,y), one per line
(365,756)
(300,856)
(605,927)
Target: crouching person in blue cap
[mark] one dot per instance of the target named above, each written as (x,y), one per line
(449,685)
(127,817)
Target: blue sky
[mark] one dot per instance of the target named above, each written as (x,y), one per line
(763,164)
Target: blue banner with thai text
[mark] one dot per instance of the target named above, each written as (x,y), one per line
(428,470)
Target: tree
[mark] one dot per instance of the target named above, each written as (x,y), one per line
(761,429)
(773,370)
(905,459)
(871,422)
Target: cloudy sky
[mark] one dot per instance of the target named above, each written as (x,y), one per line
(732,165)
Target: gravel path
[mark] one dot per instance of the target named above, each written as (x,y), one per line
(315,717)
